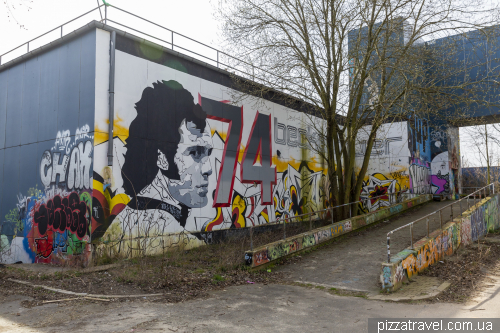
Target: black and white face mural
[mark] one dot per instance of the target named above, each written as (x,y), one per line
(167,160)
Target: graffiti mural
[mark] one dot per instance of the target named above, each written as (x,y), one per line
(399,166)
(445,165)
(53,224)
(188,164)
(379,192)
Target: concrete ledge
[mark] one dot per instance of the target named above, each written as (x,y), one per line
(279,249)
(473,224)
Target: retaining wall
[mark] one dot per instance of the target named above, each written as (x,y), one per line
(279,249)
(473,224)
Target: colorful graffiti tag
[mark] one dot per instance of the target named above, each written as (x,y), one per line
(464,230)
(52,225)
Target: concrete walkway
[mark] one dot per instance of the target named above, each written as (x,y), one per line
(249,308)
(354,263)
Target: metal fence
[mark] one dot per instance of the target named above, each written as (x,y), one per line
(165,37)
(490,189)
(323,214)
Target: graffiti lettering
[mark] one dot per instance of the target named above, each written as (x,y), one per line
(60,214)
(73,169)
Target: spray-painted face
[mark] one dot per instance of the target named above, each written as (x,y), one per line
(192,159)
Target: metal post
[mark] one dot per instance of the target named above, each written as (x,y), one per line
(388,249)
(411,233)
(61,31)
(172,40)
(28,46)
(251,238)
(427,227)
(105,14)
(310,222)
(451,212)
(284,228)
(332,215)
(460,202)
(350,211)
(441,218)
(111,96)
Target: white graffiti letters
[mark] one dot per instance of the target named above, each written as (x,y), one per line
(76,176)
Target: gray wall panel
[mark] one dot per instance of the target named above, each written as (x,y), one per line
(4,79)
(31,86)
(2,151)
(10,187)
(14,106)
(87,80)
(69,86)
(49,77)
(28,168)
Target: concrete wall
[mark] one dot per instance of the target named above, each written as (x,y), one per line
(399,163)
(475,223)
(282,248)
(445,163)
(46,144)
(192,158)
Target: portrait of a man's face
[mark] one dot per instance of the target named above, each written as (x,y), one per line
(192,159)
(168,149)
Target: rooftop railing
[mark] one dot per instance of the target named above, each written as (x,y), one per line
(116,17)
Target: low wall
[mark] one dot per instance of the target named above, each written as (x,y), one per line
(279,249)
(473,224)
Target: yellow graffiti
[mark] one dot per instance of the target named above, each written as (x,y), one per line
(238,208)
(101,135)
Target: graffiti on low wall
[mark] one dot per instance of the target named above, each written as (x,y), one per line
(294,244)
(461,232)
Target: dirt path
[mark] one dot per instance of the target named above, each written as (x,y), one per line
(353,263)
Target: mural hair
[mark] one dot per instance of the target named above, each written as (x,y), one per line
(160,113)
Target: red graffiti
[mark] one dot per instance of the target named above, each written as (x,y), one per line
(61,214)
(43,247)
(261,257)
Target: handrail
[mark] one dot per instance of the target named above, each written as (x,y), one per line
(426,217)
(311,214)
(106,19)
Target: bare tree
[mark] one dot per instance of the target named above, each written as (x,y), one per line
(357,62)
(12,5)
(484,142)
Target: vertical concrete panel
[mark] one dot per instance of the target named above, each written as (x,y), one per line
(28,168)
(31,86)
(10,188)
(49,76)
(4,79)
(14,106)
(2,152)
(69,86)
(87,79)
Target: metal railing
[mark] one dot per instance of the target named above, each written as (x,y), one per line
(248,72)
(323,213)
(482,191)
